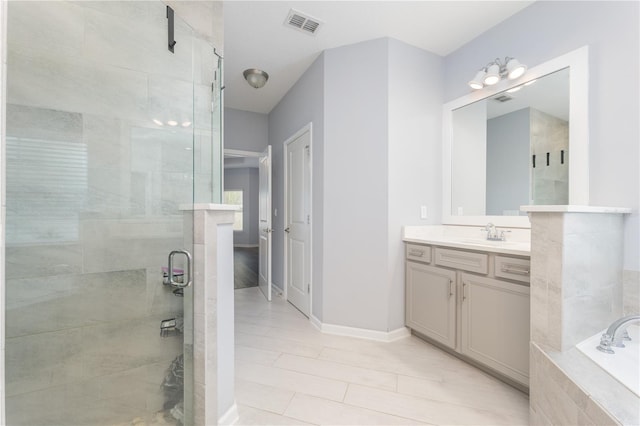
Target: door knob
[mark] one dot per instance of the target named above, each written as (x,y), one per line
(287,230)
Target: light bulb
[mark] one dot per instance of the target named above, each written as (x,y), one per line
(515,69)
(476,83)
(493,75)
(172,123)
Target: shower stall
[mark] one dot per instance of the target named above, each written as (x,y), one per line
(112,131)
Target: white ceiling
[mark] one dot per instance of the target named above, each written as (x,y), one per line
(255,36)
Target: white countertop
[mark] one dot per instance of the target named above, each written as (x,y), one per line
(518,241)
(574,209)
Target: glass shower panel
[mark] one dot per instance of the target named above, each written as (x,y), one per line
(207,155)
(103,128)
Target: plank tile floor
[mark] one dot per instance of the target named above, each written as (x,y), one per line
(287,372)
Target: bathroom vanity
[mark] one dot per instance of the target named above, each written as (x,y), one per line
(471,297)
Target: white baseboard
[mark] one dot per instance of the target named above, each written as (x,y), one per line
(231,417)
(360,333)
(245,245)
(276,290)
(315,322)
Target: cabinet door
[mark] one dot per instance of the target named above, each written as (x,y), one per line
(431,302)
(495,325)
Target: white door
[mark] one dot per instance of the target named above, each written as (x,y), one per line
(298,220)
(264,227)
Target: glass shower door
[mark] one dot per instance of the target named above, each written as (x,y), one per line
(106,132)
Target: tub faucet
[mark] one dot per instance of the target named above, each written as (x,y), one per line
(616,333)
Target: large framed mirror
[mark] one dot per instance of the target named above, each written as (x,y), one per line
(522,142)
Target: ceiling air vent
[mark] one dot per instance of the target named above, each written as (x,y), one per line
(301,22)
(503,98)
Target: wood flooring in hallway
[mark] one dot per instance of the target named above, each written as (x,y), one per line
(245,267)
(287,372)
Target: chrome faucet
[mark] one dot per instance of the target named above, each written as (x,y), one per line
(616,333)
(493,234)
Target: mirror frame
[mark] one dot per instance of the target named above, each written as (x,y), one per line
(578,63)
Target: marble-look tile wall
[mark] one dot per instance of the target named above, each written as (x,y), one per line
(555,399)
(550,183)
(93,189)
(631,292)
(576,276)
(576,291)
(210,373)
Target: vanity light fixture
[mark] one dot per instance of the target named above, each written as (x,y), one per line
(495,71)
(255,77)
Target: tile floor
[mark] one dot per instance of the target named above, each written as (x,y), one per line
(287,372)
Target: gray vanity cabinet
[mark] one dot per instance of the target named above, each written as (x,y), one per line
(495,325)
(431,302)
(473,302)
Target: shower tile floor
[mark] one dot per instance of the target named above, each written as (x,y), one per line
(287,372)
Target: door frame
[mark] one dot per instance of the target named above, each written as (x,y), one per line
(285,147)
(237,153)
(267,155)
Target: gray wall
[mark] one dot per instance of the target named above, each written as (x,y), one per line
(355,186)
(245,131)
(247,180)
(376,160)
(508,163)
(303,104)
(415,155)
(546,30)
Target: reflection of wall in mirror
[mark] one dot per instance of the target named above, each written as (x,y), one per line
(550,179)
(468,171)
(508,163)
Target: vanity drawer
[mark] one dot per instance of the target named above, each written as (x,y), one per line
(513,268)
(463,260)
(419,253)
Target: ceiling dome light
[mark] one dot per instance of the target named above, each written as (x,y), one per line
(515,69)
(476,83)
(493,75)
(255,77)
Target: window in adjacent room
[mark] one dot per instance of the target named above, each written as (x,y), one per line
(234,197)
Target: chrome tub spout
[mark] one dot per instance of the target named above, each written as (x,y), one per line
(616,333)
